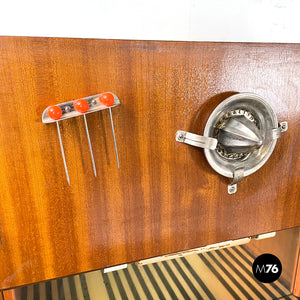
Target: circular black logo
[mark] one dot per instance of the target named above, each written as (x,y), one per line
(267,268)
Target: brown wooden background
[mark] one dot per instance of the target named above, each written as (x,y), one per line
(165,197)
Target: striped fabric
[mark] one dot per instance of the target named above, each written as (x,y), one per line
(222,274)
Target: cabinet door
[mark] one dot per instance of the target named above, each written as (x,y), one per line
(165,197)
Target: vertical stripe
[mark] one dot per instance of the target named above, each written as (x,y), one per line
(36,292)
(42,291)
(142,282)
(234,269)
(219,277)
(72,288)
(131,284)
(186,279)
(96,285)
(54,290)
(234,281)
(280,291)
(30,292)
(84,287)
(24,292)
(164,281)
(60,289)
(120,285)
(198,279)
(48,290)
(108,287)
(176,281)
(66,287)
(154,283)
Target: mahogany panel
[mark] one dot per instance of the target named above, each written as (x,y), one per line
(8,295)
(296,282)
(165,197)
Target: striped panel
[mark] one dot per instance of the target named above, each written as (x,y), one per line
(220,274)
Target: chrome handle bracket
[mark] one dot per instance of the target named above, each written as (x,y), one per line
(282,127)
(238,176)
(196,140)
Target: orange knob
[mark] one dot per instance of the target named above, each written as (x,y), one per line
(81,106)
(107,99)
(54,112)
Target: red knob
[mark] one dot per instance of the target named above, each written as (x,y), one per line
(54,112)
(81,106)
(107,99)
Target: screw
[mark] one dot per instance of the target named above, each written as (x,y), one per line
(283,126)
(68,109)
(232,189)
(181,137)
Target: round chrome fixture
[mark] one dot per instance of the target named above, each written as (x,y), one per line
(239,136)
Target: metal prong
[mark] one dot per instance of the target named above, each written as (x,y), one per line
(63,152)
(90,145)
(113,132)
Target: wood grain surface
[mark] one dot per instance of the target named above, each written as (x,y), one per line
(8,295)
(296,284)
(165,197)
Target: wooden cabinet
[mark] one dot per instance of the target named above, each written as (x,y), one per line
(165,197)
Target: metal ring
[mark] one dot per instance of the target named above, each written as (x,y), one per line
(267,121)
